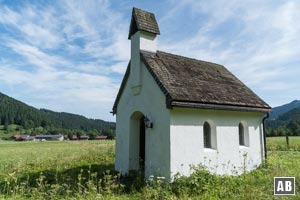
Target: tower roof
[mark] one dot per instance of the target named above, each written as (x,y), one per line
(142,21)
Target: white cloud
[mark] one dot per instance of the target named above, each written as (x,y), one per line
(12,76)
(256,40)
(65,54)
(37,26)
(101,29)
(35,56)
(120,67)
(70,55)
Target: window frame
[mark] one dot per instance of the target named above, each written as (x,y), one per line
(207,135)
(241,134)
(246,135)
(209,128)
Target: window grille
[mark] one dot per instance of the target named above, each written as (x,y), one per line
(241,135)
(207,135)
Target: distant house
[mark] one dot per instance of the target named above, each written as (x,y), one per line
(173,112)
(50,137)
(84,137)
(21,137)
(31,138)
(74,137)
(101,137)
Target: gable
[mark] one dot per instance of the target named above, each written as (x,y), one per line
(126,79)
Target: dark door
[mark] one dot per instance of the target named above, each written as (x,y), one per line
(142,143)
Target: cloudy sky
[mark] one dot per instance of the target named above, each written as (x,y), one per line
(71,55)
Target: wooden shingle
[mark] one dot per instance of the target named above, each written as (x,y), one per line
(143,21)
(194,83)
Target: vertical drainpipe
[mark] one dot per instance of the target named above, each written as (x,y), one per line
(265,139)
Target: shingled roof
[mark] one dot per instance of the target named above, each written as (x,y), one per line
(194,83)
(142,21)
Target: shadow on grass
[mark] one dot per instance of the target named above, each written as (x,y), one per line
(100,178)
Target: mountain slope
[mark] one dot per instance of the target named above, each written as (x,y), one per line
(292,115)
(13,111)
(277,111)
(284,120)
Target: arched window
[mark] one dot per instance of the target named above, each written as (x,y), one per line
(207,135)
(241,134)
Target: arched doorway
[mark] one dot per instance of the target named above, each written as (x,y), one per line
(137,142)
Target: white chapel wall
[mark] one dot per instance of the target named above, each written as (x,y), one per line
(187,147)
(151,102)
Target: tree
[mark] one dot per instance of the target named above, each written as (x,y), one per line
(44,123)
(109,133)
(6,124)
(29,124)
(293,128)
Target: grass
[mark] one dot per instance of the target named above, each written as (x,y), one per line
(84,170)
(279,144)
(56,163)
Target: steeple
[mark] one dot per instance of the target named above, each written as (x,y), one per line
(143,21)
(143,30)
(142,33)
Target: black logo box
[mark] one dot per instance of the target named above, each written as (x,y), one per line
(284,185)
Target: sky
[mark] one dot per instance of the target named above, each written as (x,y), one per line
(70,56)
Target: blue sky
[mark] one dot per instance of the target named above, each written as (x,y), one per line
(71,55)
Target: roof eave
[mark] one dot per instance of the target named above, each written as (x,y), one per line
(220,107)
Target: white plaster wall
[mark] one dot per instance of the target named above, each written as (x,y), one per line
(186,139)
(151,102)
(135,61)
(144,41)
(148,41)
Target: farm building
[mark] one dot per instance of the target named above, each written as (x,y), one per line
(173,112)
(101,137)
(84,137)
(21,137)
(74,137)
(50,137)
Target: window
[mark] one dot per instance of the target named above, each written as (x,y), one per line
(244,139)
(241,135)
(207,135)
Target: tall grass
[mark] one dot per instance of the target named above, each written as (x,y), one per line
(84,170)
(279,144)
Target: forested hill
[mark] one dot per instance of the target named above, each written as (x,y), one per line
(277,111)
(13,111)
(284,120)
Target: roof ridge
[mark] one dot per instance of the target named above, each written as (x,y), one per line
(185,57)
(135,8)
(172,54)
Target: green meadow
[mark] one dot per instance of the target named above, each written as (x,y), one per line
(84,170)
